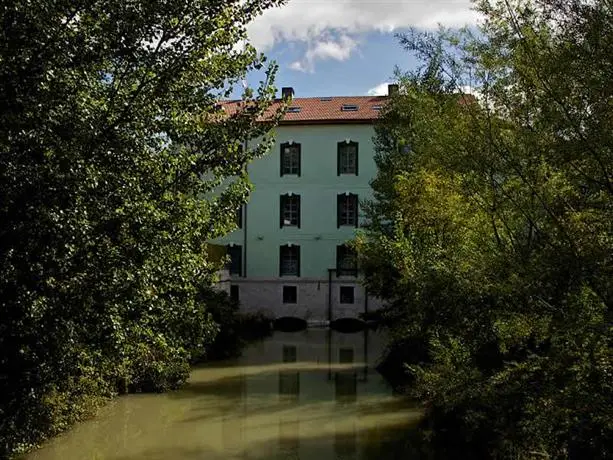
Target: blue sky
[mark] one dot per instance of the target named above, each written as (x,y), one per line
(346,47)
(370,65)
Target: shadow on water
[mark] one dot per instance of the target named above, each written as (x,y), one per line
(304,395)
(289,324)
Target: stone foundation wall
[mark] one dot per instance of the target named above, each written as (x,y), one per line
(266,295)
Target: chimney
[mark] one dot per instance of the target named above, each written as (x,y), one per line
(392,89)
(287,92)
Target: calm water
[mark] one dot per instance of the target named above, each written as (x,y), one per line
(304,395)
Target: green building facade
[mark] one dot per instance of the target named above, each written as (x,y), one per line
(289,256)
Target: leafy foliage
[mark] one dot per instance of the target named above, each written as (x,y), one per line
(110,138)
(491,233)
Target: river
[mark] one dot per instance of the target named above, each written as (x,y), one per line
(303,395)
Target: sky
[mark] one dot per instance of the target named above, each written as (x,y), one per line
(346,47)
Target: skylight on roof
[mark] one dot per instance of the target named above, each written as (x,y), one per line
(377,107)
(325,99)
(349,108)
(293,109)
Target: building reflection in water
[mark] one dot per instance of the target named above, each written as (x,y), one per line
(289,380)
(289,438)
(233,421)
(347,368)
(346,380)
(345,392)
(289,390)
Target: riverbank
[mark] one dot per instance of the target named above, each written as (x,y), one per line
(156,368)
(312,394)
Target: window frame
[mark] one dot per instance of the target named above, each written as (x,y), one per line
(341,295)
(285,200)
(341,151)
(291,248)
(298,166)
(342,253)
(285,298)
(235,268)
(342,199)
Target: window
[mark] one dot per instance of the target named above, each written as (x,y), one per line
(293,109)
(290,294)
(289,260)
(349,108)
(234,293)
(347,158)
(347,210)
(289,211)
(346,261)
(346,294)
(290,158)
(239,217)
(236,259)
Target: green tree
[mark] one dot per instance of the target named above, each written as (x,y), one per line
(110,138)
(492,228)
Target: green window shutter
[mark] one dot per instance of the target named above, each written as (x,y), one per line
(338,159)
(298,210)
(281,206)
(297,260)
(357,157)
(281,260)
(281,157)
(357,210)
(339,206)
(299,159)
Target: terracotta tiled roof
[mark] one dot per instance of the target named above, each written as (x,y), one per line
(340,109)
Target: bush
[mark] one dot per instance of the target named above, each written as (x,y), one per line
(235,329)
(109,152)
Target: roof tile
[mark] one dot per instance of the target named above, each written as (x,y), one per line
(326,109)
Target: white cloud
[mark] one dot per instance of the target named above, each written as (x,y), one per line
(298,66)
(320,23)
(339,50)
(379,90)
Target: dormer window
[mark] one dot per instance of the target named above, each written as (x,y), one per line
(349,108)
(294,109)
(377,107)
(325,99)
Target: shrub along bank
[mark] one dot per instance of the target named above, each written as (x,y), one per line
(110,137)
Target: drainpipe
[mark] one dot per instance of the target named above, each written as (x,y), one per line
(329,354)
(330,270)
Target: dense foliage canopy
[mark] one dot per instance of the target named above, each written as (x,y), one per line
(109,140)
(491,233)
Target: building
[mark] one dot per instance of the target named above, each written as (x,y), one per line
(288,257)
